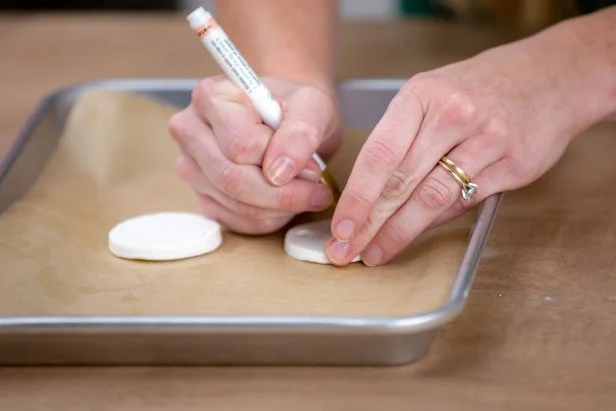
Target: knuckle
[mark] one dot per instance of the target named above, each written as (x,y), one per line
(496,128)
(519,168)
(359,198)
(248,211)
(474,148)
(207,204)
(306,131)
(238,145)
(459,108)
(371,227)
(205,93)
(176,127)
(201,92)
(397,185)
(434,194)
(371,223)
(183,168)
(419,83)
(407,100)
(395,236)
(266,225)
(205,87)
(231,179)
(379,156)
(412,99)
(181,132)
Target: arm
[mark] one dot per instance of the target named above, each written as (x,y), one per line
(293,40)
(249,177)
(594,35)
(505,117)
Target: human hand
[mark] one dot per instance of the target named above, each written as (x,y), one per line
(232,160)
(505,117)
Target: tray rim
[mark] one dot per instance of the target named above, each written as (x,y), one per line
(221,324)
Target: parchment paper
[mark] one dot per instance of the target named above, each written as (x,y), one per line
(116,160)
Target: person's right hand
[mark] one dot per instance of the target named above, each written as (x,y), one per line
(248,177)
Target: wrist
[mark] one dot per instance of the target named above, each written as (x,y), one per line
(562,74)
(590,45)
(312,78)
(596,34)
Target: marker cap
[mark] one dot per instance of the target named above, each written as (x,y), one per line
(198,17)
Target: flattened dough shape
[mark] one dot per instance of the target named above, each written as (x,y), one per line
(306,242)
(165,236)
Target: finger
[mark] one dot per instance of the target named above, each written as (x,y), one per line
(376,162)
(491,180)
(237,126)
(189,172)
(312,172)
(475,149)
(451,126)
(427,139)
(237,223)
(244,183)
(433,196)
(307,120)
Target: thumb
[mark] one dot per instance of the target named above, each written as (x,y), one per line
(307,118)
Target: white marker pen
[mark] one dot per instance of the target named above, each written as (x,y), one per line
(216,41)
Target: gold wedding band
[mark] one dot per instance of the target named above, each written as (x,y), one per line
(469,189)
(465,177)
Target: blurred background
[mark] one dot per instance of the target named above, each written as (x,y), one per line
(524,15)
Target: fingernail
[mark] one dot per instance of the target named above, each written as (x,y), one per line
(312,165)
(344,230)
(321,199)
(310,175)
(281,171)
(312,168)
(337,251)
(372,256)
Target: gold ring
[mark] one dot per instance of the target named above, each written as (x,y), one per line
(469,189)
(457,169)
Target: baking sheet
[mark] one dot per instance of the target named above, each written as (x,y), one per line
(115,160)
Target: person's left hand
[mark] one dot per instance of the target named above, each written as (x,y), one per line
(504,117)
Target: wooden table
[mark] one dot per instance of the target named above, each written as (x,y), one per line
(539,331)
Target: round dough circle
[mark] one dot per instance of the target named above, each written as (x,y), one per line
(306,242)
(165,236)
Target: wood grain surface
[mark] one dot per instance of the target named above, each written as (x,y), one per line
(539,331)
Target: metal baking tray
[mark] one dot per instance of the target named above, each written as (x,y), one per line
(218,340)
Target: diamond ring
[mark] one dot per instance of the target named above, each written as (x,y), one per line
(469,189)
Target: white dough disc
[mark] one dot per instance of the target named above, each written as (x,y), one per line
(165,236)
(306,242)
